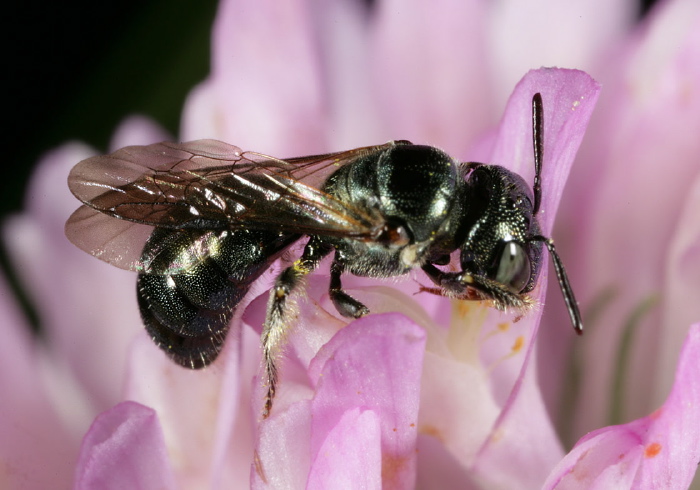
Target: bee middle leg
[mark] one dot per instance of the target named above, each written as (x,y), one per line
(275,328)
(345,304)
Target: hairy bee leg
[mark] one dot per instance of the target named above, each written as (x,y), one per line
(346,305)
(275,328)
(450,282)
(456,285)
(465,286)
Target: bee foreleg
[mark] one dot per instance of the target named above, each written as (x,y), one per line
(451,283)
(345,304)
(276,321)
(467,286)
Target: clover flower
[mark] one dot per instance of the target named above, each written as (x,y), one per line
(426,392)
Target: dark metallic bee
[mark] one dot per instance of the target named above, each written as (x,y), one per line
(222,216)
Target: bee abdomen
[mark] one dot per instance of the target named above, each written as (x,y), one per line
(193,284)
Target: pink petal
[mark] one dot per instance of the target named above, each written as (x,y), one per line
(137,130)
(647,114)
(124,448)
(198,430)
(523,444)
(372,364)
(88,308)
(681,284)
(265,92)
(350,456)
(428,68)
(212,433)
(343,31)
(603,461)
(658,451)
(438,467)
(523,35)
(568,98)
(282,456)
(234,431)
(457,409)
(36,448)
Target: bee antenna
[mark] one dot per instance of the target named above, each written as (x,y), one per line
(564,285)
(538,147)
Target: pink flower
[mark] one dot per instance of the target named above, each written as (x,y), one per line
(644,453)
(125,449)
(633,195)
(424,392)
(51,388)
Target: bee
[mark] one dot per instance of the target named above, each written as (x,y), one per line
(201,221)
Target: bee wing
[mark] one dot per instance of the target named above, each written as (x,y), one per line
(121,243)
(208,184)
(117,242)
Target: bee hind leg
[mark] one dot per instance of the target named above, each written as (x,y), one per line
(276,320)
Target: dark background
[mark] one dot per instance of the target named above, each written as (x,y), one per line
(77,67)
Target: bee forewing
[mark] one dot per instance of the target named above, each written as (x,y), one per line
(96,175)
(212,184)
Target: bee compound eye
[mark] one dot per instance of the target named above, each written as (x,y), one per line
(513,267)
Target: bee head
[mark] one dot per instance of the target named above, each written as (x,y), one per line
(499,224)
